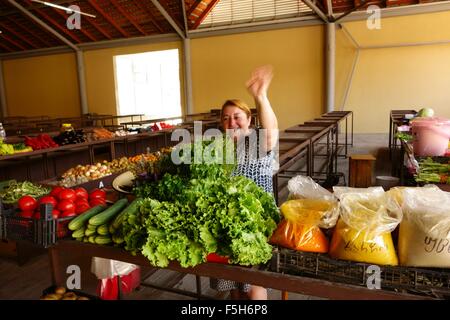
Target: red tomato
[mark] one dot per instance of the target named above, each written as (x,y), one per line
(96,202)
(55,191)
(81,193)
(65,205)
(82,208)
(68,213)
(26,214)
(80,202)
(97,194)
(27,203)
(67,194)
(55,214)
(214,257)
(48,199)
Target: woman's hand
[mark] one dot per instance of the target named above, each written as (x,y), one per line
(259,82)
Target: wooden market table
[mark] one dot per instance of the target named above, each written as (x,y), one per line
(71,252)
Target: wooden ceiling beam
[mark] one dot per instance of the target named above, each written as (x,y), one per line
(3,26)
(193,7)
(11,41)
(83,31)
(205,12)
(130,18)
(98,28)
(57,25)
(29,30)
(108,18)
(151,16)
(5,46)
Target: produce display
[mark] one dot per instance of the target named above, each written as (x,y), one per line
(70,137)
(431,171)
(61,293)
(14,190)
(65,203)
(82,174)
(42,141)
(198,209)
(97,224)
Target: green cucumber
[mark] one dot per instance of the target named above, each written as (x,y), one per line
(79,232)
(117,239)
(91,239)
(79,221)
(131,209)
(89,233)
(91,227)
(103,240)
(103,230)
(109,213)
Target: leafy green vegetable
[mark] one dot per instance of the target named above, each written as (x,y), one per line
(202,209)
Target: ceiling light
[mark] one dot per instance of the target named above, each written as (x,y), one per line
(68,10)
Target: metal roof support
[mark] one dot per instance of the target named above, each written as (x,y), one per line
(330,64)
(350,81)
(80,62)
(187,64)
(330,9)
(188,75)
(316,10)
(168,18)
(3,105)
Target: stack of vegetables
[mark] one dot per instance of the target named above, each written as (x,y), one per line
(433,172)
(70,137)
(98,224)
(199,209)
(13,191)
(42,141)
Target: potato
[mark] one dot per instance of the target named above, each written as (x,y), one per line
(60,290)
(83,298)
(52,296)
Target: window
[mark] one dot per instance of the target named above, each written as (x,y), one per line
(148,83)
(228,12)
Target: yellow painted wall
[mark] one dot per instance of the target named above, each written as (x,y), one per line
(401,77)
(45,85)
(99,68)
(222,64)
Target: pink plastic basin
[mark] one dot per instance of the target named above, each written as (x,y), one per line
(431,136)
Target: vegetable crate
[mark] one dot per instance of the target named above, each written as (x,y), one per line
(433,282)
(42,232)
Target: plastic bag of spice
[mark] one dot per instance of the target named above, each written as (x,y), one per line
(310,208)
(363,232)
(424,236)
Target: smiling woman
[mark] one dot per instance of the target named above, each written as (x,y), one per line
(255,155)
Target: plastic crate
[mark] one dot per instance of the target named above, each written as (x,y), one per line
(43,232)
(431,282)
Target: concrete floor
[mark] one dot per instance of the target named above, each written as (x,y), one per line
(29,280)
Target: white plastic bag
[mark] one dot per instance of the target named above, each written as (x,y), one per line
(302,187)
(107,268)
(424,237)
(369,210)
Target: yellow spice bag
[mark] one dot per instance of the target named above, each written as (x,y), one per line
(363,232)
(299,228)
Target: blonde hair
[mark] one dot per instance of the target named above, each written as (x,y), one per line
(237,103)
